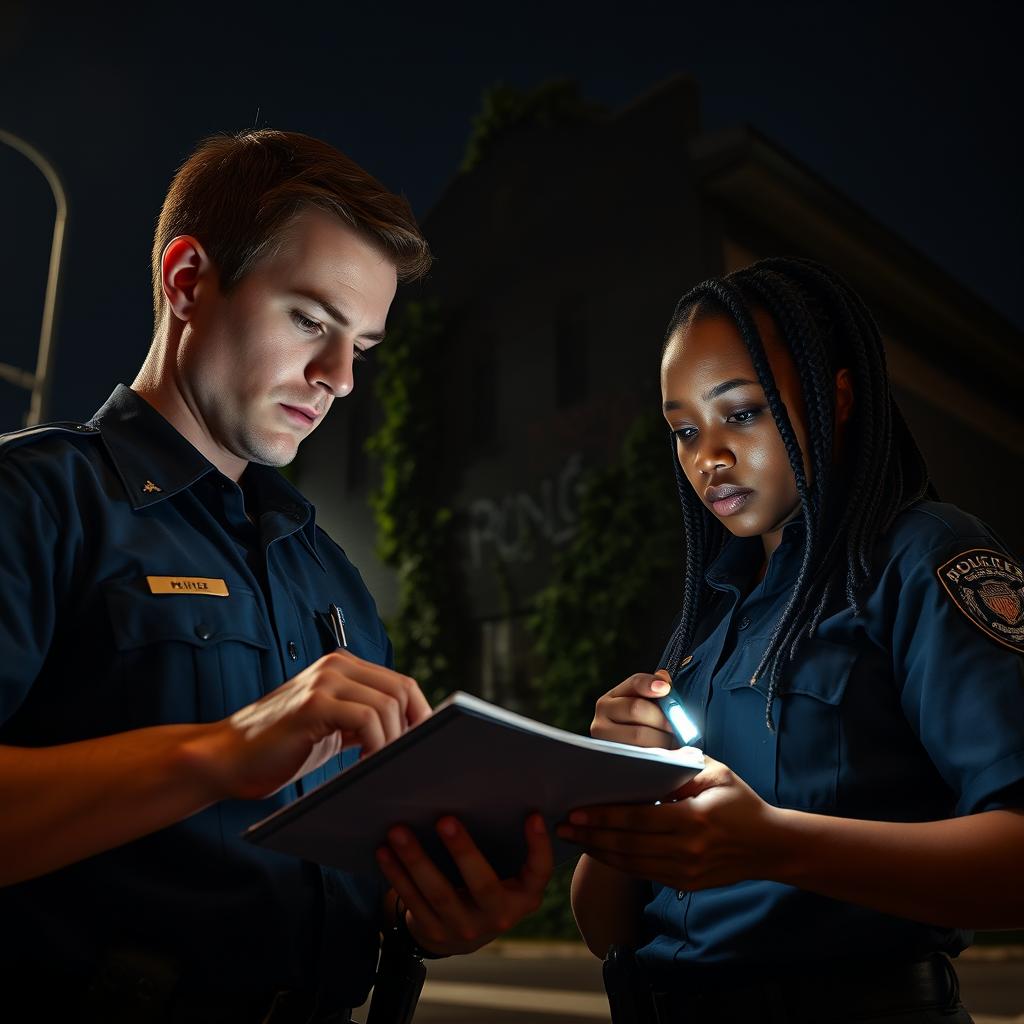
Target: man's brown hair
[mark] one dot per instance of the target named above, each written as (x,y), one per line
(236,193)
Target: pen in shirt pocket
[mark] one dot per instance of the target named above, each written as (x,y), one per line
(337,618)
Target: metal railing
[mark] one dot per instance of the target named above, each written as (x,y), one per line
(38,383)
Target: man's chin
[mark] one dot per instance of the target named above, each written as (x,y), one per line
(267,452)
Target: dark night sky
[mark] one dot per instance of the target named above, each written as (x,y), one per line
(911,112)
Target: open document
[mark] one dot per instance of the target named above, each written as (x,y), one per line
(487,766)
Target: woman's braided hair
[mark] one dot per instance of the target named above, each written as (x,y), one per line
(825,326)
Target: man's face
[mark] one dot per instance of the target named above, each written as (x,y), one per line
(727,443)
(260,366)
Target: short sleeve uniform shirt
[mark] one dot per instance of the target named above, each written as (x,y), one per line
(135,591)
(913,711)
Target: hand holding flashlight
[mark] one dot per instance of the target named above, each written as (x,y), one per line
(658,719)
(682,724)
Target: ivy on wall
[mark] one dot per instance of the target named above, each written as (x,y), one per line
(504,108)
(614,592)
(616,587)
(415,527)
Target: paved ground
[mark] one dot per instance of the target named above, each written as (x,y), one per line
(560,983)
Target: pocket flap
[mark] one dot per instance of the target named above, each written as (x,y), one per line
(139,617)
(821,670)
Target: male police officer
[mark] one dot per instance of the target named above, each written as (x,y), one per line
(168,674)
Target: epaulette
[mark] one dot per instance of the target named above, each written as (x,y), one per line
(16,438)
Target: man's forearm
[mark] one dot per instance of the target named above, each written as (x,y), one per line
(607,905)
(962,872)
(64,803)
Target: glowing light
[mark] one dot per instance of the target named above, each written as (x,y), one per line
(681,722)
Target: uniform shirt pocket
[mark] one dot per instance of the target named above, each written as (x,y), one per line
(185,657)
(809,746)
(361,644)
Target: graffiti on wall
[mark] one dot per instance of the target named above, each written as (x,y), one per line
(511,525)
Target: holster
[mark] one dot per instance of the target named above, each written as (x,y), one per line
(400,976)
(629,994)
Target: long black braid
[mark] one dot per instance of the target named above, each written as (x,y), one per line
(825,326)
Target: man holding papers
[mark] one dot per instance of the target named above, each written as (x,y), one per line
(169,618)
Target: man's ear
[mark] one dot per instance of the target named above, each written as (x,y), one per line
(183,265)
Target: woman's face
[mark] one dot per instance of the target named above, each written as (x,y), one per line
(727,443)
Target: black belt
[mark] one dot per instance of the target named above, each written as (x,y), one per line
(816,996)
(137,1001)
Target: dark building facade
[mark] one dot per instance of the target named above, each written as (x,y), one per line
(559,261)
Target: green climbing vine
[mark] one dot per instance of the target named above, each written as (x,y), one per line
(415,526)
(615,587)
(504,108)
(613,595)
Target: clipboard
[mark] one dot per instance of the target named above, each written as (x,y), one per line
(488,767)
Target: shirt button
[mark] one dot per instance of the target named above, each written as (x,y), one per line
(293,651)
(743,623)
(203,631)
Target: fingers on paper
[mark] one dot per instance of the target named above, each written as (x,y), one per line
(659,818)
(367,716)
(619,841)
(713,774)
(412,705)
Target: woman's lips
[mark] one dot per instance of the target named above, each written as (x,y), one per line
(732,503)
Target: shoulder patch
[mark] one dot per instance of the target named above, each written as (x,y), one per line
(988,587)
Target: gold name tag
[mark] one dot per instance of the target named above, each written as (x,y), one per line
(187,585)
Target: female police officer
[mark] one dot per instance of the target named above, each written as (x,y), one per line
(852,652)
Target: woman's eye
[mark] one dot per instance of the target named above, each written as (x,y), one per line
(305,323)
(744,416)
(685,433)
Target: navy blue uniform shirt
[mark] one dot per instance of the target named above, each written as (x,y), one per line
(116,536)
(913,711)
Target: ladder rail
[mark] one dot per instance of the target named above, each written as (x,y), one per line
(38,383)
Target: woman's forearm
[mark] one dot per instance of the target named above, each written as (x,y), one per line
(959,872)
(962,872)
(607,905)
